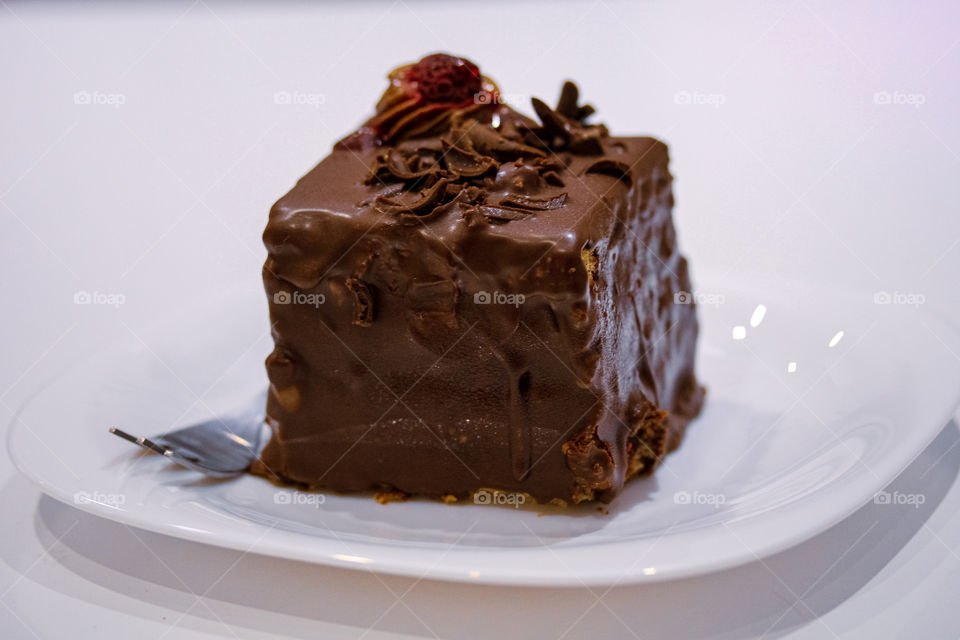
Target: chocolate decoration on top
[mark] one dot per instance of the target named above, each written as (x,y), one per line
(422,97)
(501,306)
(446,96)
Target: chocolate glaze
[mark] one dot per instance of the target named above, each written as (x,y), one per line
(486,302)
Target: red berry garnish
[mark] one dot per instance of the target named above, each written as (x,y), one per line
(443,78)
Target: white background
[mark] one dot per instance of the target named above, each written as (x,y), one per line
(786,160)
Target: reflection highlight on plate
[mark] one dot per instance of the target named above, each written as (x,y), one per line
(355,559)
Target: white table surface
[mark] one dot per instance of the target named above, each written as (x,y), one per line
(786,161)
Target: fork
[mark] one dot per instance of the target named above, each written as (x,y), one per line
(220,448)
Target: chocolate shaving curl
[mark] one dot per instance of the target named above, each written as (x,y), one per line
(613,168)
(533,204)
(465,162)
(427,201)
(564,128)
(502,214)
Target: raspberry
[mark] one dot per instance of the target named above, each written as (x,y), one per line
(443,78)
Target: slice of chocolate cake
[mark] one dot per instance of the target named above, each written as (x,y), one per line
(463,298)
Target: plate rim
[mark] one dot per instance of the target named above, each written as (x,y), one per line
(396,560)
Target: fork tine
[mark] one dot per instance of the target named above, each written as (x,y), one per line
(124,435)
(153,446)
(146,443)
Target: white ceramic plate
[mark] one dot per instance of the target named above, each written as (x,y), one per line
(780,453)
